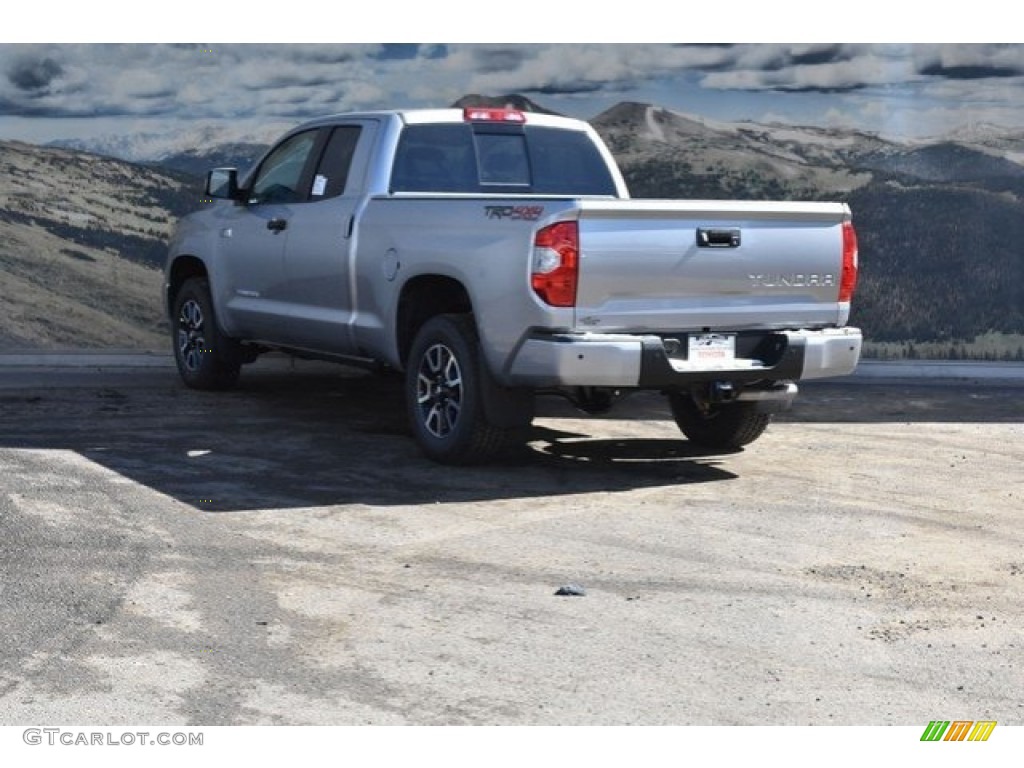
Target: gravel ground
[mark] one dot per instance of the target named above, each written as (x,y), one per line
(282,555)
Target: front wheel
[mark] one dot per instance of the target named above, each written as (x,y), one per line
(444,394)
(206,358)
(719,425)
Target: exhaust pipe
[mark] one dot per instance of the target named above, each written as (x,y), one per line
(778,397)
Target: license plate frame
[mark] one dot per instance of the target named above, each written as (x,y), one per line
(716,348)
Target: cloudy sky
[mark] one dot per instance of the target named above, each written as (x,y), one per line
(82,90)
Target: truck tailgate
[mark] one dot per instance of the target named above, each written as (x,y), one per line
(653,265)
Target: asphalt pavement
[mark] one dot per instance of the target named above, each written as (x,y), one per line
(281,554)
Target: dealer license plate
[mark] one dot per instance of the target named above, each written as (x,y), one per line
(712,347)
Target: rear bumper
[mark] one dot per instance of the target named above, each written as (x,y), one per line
(644,361)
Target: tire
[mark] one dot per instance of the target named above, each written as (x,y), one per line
(206,358)
(444,394)
(723,425)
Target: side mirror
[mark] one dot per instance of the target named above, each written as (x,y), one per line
(222,183)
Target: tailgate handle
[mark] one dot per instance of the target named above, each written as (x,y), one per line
(718,238)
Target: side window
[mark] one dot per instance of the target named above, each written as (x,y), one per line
(280,177)
(332,171)
(435,158)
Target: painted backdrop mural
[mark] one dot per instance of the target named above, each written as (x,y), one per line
(102,147)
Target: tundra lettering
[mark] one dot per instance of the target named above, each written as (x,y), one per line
(792,281)
(358,238)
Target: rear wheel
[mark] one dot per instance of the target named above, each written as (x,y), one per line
(206,358)
(444,394)
(718,425)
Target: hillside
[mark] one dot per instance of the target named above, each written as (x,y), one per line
(667,154)
(507,101)
(83,238)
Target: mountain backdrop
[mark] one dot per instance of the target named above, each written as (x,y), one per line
(940,224)
(81,237)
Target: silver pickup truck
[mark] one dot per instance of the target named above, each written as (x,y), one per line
(494,255)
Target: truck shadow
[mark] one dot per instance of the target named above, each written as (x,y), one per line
(284,441)
(288,439)
(859,401)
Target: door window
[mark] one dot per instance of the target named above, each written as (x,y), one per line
(332,171)
(280,177)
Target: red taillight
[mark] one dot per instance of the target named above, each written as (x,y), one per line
(491,115)
(848,281)
(555,265)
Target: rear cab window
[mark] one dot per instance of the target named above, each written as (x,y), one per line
(485,158)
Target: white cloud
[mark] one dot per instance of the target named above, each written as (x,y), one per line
(260,83)
(796,69)
(575,68)
(980,57)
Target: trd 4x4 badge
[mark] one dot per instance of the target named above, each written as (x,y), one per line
(514,212)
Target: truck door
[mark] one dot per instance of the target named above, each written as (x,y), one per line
(321,237)
(253,238)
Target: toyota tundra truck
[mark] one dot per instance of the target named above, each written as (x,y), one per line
(492,256)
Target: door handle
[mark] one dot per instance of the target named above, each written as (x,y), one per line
(718,238)
(277,225)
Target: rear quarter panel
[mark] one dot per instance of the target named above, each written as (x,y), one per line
(484,243)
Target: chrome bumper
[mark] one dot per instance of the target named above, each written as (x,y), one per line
(630,360)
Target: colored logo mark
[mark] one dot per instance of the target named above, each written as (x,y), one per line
(958,730)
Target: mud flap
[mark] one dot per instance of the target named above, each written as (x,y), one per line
(505,407)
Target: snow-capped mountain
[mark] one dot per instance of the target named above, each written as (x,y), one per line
(152,147)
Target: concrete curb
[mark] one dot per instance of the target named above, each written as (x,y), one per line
(116,360)
(86,360)
(867,370)
(940,370)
